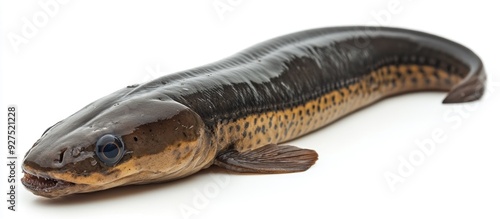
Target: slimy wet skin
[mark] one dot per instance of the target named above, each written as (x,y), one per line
(236,113)
(152,149)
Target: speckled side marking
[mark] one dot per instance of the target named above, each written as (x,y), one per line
(283,125)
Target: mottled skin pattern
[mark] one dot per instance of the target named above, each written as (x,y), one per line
(233,112)
(257,130)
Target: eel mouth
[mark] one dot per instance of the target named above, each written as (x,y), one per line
(44,185)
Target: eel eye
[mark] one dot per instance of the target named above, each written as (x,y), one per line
(109,149)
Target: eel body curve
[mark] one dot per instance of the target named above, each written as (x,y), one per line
(237,112)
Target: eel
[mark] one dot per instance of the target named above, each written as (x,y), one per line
(238,112)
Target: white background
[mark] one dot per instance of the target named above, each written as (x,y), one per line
(88,49)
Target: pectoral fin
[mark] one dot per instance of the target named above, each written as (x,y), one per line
(271,158)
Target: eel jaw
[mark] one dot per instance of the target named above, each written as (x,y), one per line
(43,185)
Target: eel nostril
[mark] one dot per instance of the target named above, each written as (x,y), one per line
(61,155)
